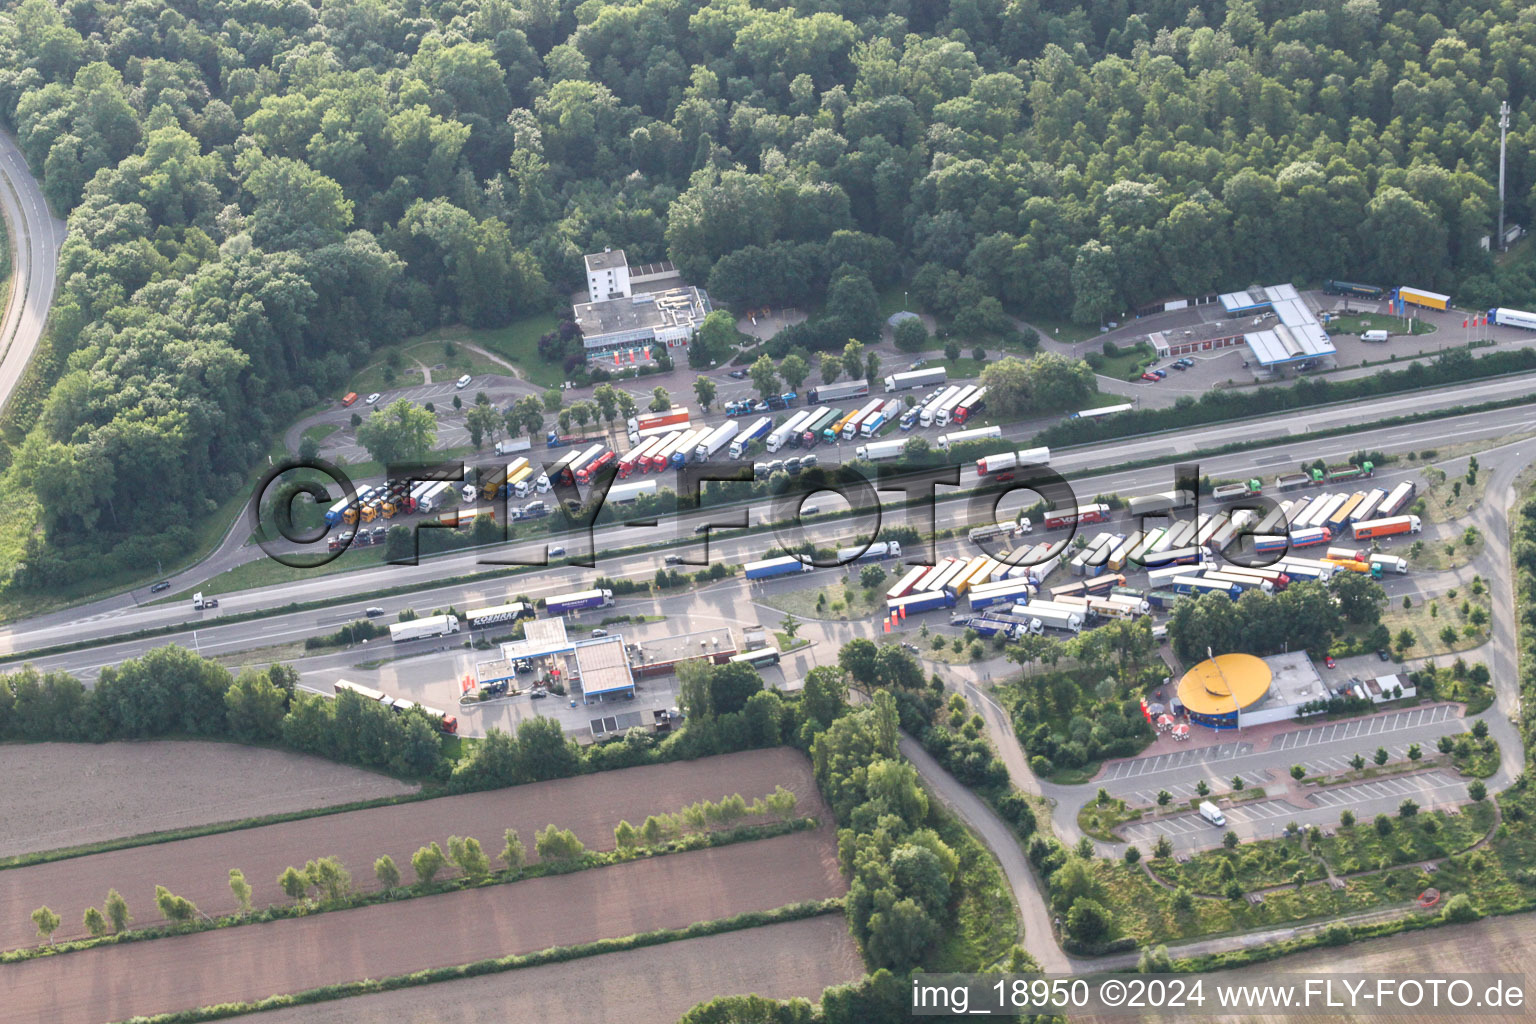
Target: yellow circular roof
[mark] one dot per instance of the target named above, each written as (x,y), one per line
(1209,687)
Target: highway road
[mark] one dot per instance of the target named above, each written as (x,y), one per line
(36,236)
(91,622)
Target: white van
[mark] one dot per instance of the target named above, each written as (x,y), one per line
(1376,336)
(463,382)
(1211,813)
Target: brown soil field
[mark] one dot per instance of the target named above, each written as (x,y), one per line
(655,985)
(1497,945)
(68,794)
(114,983)
(198,869)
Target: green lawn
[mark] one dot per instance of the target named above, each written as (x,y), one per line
(1359,324)
(964,368)
(894,300)
(1061,330)
(519,343)
(1127,364)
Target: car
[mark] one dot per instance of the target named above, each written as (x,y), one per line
(702,528)
(1179,366)
(807,461)
(1002,477)
(777,466)
(373,612)
(1159,374)
(556,551)
(346,536)
(1328,660)
(371,399)
(673,560)
(1383,655)
(462,382)
(737,374)
(761,407)
(1186,362)
(162,585)
(918,364)
(380,532)
(1154,378)
(907,645)
(537,694)
(599,632)
(348,398)
(809,510)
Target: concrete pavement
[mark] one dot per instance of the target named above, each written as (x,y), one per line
(35,236)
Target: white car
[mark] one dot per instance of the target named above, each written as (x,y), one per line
(371,399)
(462,382)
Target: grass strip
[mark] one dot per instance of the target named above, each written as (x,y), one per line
(354,900)
(559,954)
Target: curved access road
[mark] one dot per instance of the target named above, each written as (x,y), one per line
(36,236)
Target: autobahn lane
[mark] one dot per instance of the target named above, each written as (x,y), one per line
(344,588)
(36,236)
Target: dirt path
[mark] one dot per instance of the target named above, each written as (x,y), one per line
(198,869)
(66,794)
(656,985)
(114,983)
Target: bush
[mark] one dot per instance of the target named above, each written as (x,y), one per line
(1459,910)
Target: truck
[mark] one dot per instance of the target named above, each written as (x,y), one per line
(1197,585)
(1372,528)
(587,457)
(1348,554)
(1310,537)
(1342,471)
(1354,290)
(1080,515)
(879,421)
(587,473)
(1005,462)
(768,568)
(970,406)
(513,445)
(1396,500)
(903,586)
(837,392)
(923,601)
(1423,297)
(660,457)
(851,427)
(1052,616)
(1382,564)
(199,602)
(873,553)
(1159,504)
(715,440)
(676,416)
(1231,492)
(1103,410)
(433,497)
(620,494)
(909,379)
(554,439)
(881,450)
(817,428)
(638,456)
(1512,318)
(929,416)
(789,431)
(1291,481)
(946,410)
(417,629)
(962,436)
(1211,813)
(753,431)
(1306,569)
(689,445)
(580,601)
(1014,591)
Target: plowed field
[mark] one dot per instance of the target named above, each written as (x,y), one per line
(114,983)
(198,869)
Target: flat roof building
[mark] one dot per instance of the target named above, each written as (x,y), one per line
(1271,689)
(602,667)
(1274,322)
(619,320)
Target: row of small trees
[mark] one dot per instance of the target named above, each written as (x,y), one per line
(326,879)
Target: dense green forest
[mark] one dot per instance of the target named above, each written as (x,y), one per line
(259,193)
